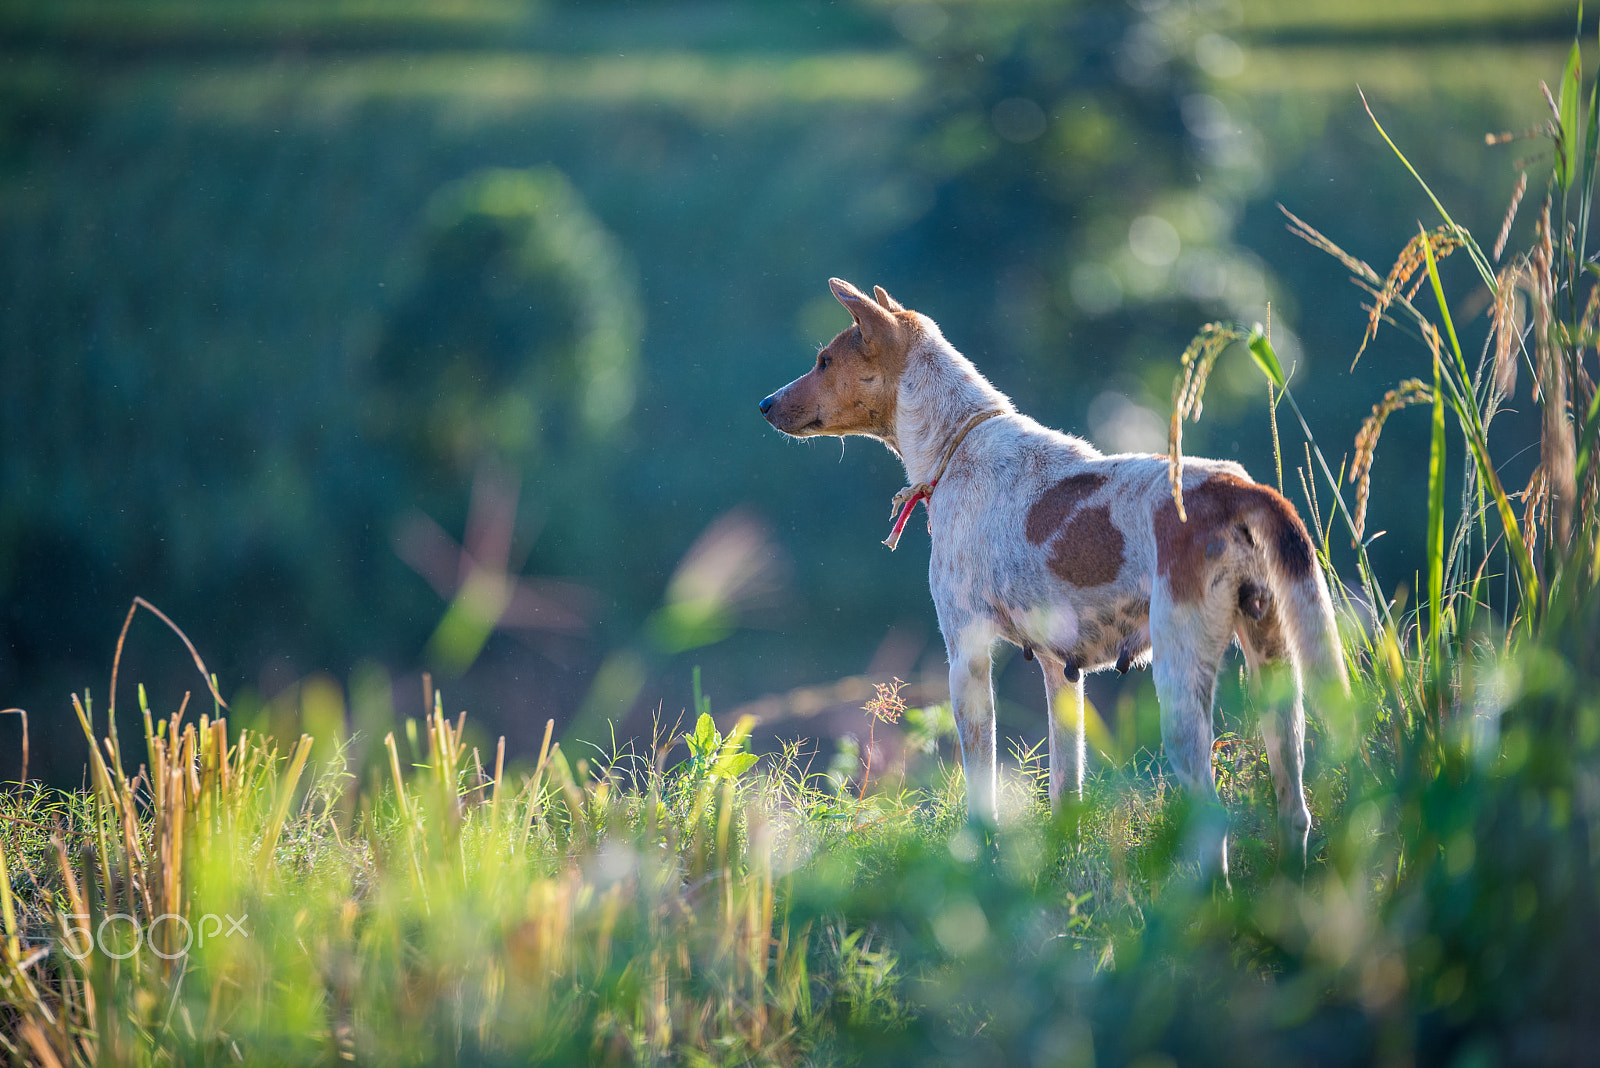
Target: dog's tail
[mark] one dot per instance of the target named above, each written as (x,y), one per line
(1298,587)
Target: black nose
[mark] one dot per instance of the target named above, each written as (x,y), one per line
(766,405)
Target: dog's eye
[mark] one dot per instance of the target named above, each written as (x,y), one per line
(823,361)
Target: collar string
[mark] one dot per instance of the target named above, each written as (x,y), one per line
(905,502)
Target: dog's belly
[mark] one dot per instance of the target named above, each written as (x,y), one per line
(1086,634)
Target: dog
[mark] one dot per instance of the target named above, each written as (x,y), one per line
(1083,560)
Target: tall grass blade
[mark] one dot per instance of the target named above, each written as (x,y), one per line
(1261,350)
(1472,429)
(280,808)
(116,660)
(1586,189)
(1463,389)
(1567,118)
(8,911)
(1436,458)
(1473,250)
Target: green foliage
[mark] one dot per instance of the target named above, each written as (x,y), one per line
(711,754)
(716,757)
(525,305)
(1260,346)
(611,913)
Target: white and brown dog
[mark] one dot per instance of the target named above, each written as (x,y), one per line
(1081,559)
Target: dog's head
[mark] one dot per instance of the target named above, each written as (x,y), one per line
(853,386)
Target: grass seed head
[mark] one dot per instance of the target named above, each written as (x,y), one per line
(1411,391)
(1506,320)
(1406,276)
(1188,393)
(1511,214)
(1311,235)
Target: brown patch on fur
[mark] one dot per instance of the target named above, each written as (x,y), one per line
(1089,550)
(1219,509)
(1057,503)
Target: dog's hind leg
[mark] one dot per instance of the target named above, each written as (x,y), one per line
(1188,641)
(970,649)
(1064,700)
(1275,684)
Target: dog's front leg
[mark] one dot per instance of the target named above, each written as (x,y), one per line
(972,699)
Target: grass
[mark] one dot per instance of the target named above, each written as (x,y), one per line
(245,899)
(617,911)
(684,905)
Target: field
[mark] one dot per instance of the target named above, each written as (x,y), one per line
(234,903)
(245,899)
(229,892)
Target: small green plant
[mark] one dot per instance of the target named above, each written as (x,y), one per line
(713,755)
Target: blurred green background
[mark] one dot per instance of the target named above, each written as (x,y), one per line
(297,299)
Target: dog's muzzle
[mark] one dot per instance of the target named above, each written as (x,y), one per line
(779,411)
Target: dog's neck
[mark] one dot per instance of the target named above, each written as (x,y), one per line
(940,392)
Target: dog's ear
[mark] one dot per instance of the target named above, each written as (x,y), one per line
(888,302)
(868,316)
